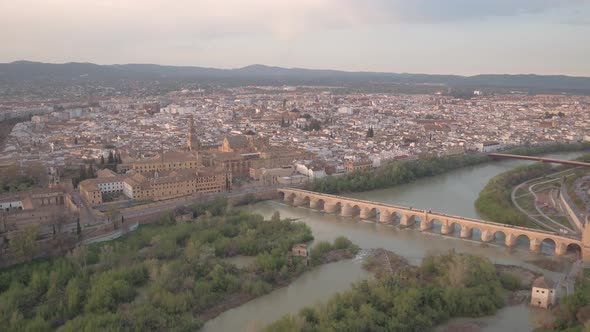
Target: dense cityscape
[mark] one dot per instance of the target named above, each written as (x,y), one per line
(294,166)
(334,127)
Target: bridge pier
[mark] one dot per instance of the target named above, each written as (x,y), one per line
(288,198)
(466,232)
(385,217)
(446,229)
(487,236)
(510,240)
(367,213)
(406,221)
(314,203)
(560,249)
(346,210)
(426,225)
(535,246)
(298,201)
(330,207)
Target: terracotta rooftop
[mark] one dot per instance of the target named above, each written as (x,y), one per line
(543,282)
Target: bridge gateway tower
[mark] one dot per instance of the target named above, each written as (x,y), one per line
(586,242)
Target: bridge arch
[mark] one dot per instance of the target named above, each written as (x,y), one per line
(437,224)
(434,224)
(499,236)
(548,246)
(574,249)
(522,241)
(368,213)
(317,203)
(411,220)
(356,210)
(455,228)
(332,206)
(302,200)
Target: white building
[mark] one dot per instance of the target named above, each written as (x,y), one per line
(543,293)
(310,171)
(489,146)
(11,204)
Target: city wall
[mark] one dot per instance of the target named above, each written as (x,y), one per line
(570,210)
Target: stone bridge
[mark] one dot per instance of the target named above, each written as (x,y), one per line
(408,216)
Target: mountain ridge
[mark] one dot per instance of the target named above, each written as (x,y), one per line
(24,70)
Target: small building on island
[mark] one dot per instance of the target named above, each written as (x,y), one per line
(300,250)
(543,293)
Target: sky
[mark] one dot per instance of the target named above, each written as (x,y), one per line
(465,37)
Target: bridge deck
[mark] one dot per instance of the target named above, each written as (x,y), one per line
(430,213)
(541,159)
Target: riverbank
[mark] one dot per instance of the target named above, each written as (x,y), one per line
(335,254)
(407,297)
(496,202)
(406,171)
(163,276)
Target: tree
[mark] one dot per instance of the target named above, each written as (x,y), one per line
(38,172)
(370,132)
(78,228)
(83,174)
(79,256)
(91,172)
(112,212)
(101,159)
(25,242)
(3,217)
(57,219)
(111,158)
(276,216)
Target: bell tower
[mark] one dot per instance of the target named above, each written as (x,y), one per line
(191,139)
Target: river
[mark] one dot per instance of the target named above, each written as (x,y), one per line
(454,193)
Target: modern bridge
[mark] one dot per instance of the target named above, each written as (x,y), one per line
(541,159)
(408,216)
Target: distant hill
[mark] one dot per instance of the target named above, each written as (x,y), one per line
(27,71)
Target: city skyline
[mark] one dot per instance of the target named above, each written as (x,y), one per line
(460,37)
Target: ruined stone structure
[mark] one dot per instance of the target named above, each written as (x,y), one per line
(407,216)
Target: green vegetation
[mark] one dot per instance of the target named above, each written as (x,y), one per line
(87,171)
(16,178)
(112,160)
(541,149)
(400,172)
(159,278)
(394,173)
(413,299)
(321,250)
(495,201)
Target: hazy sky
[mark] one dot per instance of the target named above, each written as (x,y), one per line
(418,36)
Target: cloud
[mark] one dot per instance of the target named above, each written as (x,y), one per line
(185,30)
(454,10)
(283,19)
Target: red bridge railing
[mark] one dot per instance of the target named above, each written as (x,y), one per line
(541,159)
